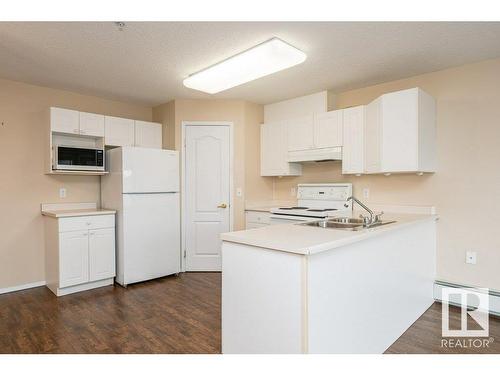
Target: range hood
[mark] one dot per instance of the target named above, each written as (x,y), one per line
(318,154)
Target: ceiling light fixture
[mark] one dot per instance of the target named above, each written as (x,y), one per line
(259,61)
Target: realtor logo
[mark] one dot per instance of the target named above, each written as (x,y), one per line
(473,303)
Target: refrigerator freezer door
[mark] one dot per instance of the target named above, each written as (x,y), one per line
(151,236)
(148,170)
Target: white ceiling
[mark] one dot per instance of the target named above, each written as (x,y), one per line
(147,61)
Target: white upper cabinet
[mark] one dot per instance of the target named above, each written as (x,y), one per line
(353,140)
(400,133)
(372,138)
(91,124)
(148,134)
(68,121)
(119,131)
(64,121)
(300,133)
(273,151)
(323,130)
(328,129)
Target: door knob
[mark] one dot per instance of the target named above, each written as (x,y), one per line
(223,205)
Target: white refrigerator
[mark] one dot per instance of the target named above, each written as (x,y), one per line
(143,187)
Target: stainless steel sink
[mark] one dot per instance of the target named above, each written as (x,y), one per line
(332,224)
(346,220)
(344,223)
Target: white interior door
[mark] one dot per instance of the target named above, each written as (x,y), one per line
(207,169)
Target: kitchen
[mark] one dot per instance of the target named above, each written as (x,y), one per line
(285,177)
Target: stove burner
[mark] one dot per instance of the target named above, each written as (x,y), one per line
(321,209)
(293,208)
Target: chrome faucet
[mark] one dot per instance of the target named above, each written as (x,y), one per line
(367,221)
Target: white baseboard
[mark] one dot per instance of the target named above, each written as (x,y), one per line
(494,300)
(80,288)
(22,287)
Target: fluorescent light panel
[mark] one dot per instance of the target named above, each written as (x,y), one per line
(259,61)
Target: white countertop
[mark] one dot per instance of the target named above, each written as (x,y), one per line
(306,240)
(78,212)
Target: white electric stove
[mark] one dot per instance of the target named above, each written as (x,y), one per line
(316,201)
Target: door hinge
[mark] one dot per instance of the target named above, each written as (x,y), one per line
(184,255)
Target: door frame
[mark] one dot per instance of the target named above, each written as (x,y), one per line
(184,125)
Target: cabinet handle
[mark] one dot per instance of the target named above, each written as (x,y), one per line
(76,131)
(92,233)
(82,131)
(85,234)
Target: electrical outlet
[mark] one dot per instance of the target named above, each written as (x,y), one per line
(470,257)
(62,193)
(293,192)
(366,193)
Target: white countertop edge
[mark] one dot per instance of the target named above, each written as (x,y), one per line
(329,245)
(75,213)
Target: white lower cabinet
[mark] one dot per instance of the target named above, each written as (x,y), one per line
(256,219)
(73,258)
(80,253)
(101,254)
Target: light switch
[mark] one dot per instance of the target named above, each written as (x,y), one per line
(239,192)
(62,193)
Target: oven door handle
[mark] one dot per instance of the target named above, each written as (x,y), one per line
(293,218)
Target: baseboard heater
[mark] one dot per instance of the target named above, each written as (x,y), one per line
(494,300)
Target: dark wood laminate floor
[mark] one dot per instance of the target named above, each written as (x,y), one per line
(424,336)
(168,315)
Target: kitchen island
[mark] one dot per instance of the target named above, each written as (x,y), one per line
(301,289)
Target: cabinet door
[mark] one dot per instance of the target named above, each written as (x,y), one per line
(148,134)
(328,129)
(102,253)
(118,131)
(353,140)
(399,114)
(73,258)
(272,161)
(64,120)
(373,137)
(300,133)
(91,124)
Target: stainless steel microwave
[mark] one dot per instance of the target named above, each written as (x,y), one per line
(78,158)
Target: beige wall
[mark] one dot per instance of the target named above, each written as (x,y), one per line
(23,184)
(466,187)
(165,114)
(257,188)
(246,118)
